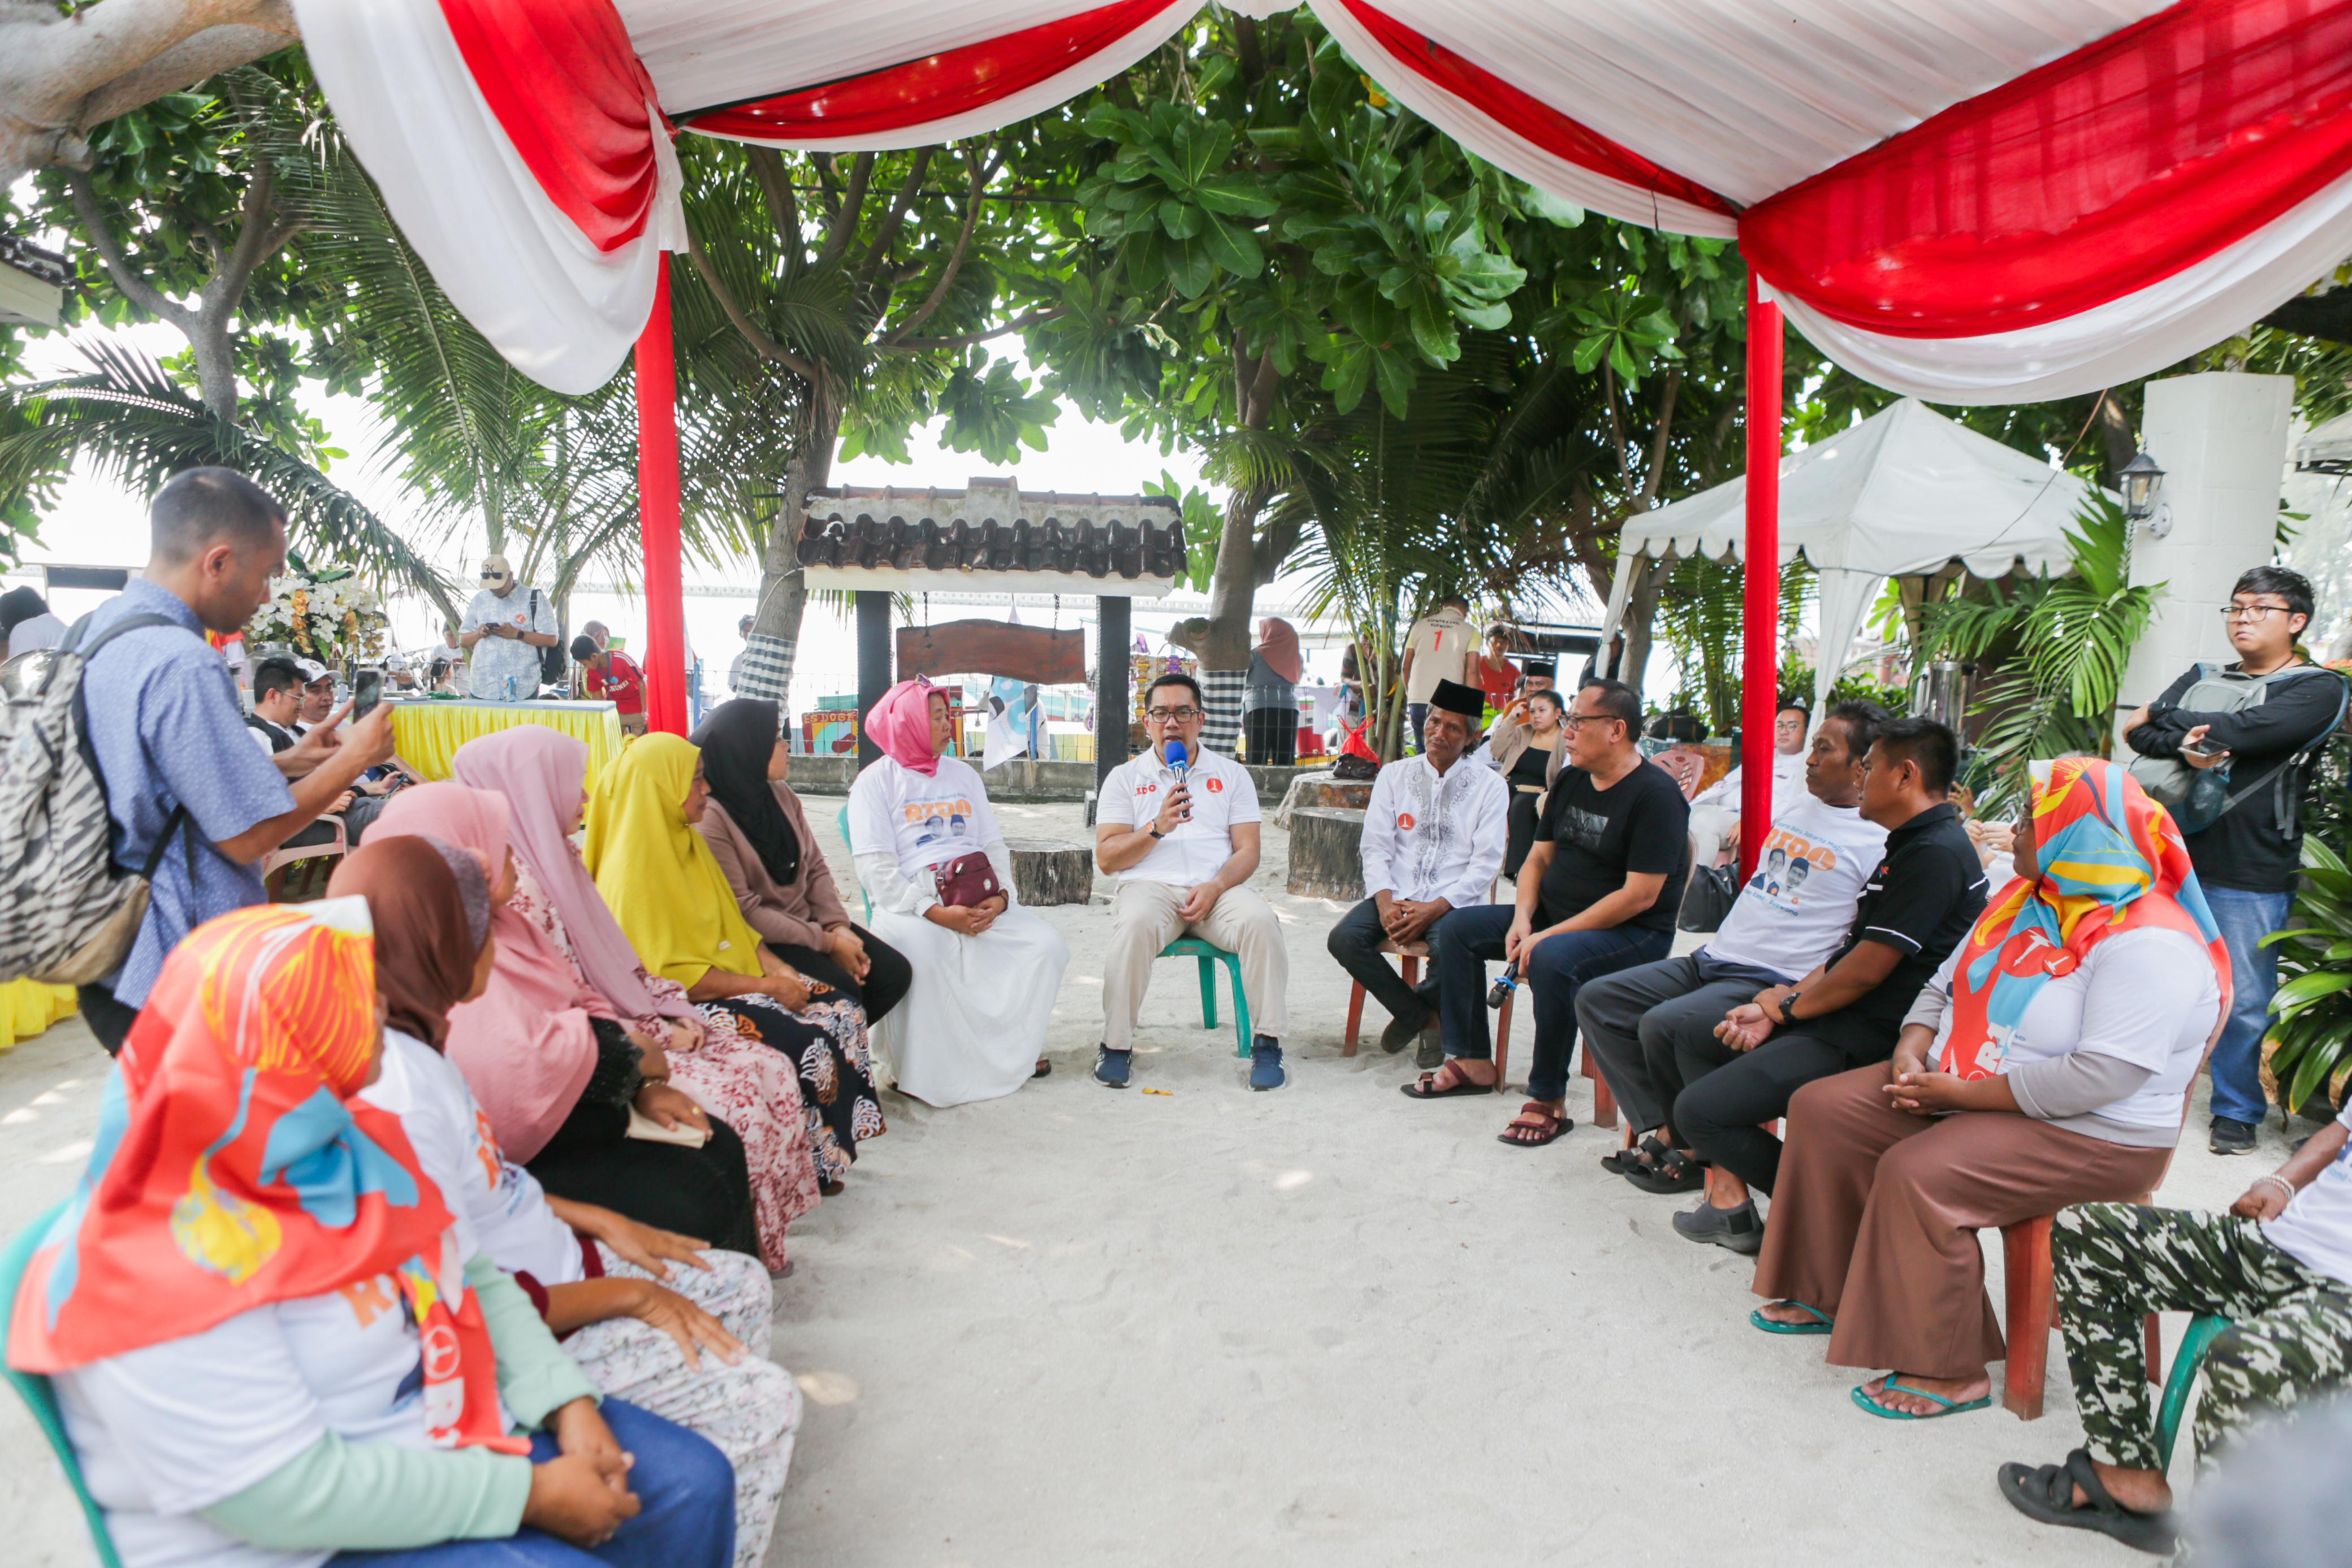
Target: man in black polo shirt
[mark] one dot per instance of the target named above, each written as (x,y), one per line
(1925,894)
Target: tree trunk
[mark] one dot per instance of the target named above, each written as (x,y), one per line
(1225,644)
(783,587)
(63,69)
(1641,608)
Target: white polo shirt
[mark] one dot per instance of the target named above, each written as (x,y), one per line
(1222,794)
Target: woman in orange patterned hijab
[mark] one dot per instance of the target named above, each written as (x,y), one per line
(235,1167)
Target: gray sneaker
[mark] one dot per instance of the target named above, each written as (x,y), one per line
(1739,1230)
(2231,1137)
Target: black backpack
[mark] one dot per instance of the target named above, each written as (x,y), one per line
(553,661)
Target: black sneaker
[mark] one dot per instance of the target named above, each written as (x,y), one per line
(1112,1066)
(1738,1229)
(2231,1137)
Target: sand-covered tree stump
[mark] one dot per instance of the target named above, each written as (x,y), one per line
(1322,789)
(1327,858)
(1052,870)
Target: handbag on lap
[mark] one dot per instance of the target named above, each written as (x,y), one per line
(966,879)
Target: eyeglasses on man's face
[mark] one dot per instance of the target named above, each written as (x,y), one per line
(1170,714)
(2257,614)
(1577,720)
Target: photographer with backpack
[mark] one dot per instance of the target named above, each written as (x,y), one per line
(191,805)
(2225,749)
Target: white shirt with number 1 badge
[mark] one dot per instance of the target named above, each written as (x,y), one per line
(1222,792)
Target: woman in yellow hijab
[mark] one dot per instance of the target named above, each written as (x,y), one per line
(673,903)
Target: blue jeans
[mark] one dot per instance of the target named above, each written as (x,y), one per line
(2245,918)
(687,1486)
(1459,947)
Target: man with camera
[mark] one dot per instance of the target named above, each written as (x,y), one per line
(2248,856)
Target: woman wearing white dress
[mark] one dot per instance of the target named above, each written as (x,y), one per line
(973,1025)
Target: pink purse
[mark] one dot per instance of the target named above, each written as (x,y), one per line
(966,879)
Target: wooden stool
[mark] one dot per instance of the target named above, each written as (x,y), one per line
(1412,953)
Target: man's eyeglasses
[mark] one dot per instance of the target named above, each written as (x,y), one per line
(2255,612)
(1163,715)
(1574,719)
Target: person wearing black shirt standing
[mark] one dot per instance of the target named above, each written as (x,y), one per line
(1925,894)
(2248,858)
(1597,893)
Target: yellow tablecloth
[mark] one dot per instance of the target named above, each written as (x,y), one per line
(428,733)
(27,1007)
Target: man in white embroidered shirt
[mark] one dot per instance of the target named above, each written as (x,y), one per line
(1433,840)
(1183,845)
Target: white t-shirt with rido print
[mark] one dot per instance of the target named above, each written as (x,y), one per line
(1794,912)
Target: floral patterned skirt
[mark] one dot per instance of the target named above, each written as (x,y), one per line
(825,1043)
(743,1083)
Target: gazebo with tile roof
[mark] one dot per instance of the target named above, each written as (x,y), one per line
(877,541)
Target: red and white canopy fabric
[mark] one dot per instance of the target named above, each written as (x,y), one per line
(1972,201)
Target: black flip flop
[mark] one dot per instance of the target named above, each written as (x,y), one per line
(2046,1493)
(1677,1172)
(1619,1161)
(1419,1089)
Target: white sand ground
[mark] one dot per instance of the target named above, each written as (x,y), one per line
(1326,1325)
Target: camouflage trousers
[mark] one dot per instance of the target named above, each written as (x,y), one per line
(2116,1262)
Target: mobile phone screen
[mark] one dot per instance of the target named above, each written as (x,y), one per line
(367,690)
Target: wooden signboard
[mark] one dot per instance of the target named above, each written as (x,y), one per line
(1030,653)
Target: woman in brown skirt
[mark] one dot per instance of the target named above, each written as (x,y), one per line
(2066,1032)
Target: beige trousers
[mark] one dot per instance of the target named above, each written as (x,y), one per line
(1144,919)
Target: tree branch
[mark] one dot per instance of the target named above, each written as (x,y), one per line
(102,239)
(1658,438)
(886,234)
(844,218)
(982,170)
(784,207)
(764,346)
(965,339)
(256,240)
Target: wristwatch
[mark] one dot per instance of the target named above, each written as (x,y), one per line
(1789,1006)
(1153,829)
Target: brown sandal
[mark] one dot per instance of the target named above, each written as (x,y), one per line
(1536,1118)
(1424,1087)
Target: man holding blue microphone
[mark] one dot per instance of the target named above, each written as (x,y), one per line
(1179,827)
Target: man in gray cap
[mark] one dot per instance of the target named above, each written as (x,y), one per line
(505,627)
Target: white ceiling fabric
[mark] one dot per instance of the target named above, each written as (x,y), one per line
(1746,97)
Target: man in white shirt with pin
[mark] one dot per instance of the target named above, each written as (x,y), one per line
(1433,839)
(1183,842)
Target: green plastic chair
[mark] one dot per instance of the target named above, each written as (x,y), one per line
(843,820)
(2202,1332)
(1211,956)
(34,1388)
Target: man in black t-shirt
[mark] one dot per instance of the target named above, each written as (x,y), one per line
(2248,860)
(1917,905)
(1597,895)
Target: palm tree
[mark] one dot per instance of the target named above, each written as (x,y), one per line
(131,422)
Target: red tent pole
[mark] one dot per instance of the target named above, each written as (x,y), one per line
(657,505)
(1760,672)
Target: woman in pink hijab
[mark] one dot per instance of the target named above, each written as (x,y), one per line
(973,1024)
(511,1044)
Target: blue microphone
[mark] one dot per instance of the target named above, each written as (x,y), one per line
(1179,761)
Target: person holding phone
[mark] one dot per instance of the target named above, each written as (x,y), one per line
(505,627)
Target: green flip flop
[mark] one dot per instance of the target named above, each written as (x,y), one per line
(1951,1406)
(1820,1323)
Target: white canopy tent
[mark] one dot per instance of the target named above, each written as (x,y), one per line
(1900,495)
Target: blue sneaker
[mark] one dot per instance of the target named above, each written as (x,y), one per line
(1112,1066)
(1266,1063)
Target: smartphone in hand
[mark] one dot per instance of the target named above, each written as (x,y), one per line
(367,691)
